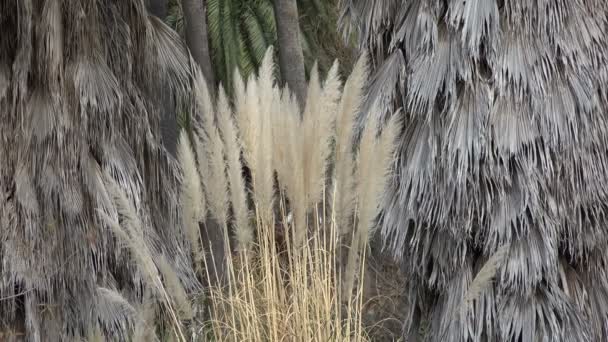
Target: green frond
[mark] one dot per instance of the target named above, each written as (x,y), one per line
(255,38)
(246,61)
(240,31)
(265,15)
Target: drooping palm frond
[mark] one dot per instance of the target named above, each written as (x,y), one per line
(503,144)
(78,86)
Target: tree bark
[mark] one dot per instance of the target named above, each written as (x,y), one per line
(291,57)
(158,8)
(197,38)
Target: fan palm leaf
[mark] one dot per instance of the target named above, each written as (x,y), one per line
(78,108)
(503,144)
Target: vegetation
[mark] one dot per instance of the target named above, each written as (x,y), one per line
(197,36)
(285,283)
(79,105)
(475,157)
(504,143)
(240,32)
(291,58)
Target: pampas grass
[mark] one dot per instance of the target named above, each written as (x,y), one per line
(484,278)
(193,204)
(243,232)
(374,157)
(309,199)
(285,276)
(344,183)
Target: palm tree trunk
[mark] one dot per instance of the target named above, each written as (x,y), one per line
(168,120)
(291,57)
(158,8)
(197,38)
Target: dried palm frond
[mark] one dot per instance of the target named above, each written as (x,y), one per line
(78,101)
(503,143)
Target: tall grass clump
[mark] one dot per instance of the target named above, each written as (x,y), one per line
(296,203)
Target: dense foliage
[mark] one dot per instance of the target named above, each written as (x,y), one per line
(504,144)
(240,32)
(79,107)
(496,209)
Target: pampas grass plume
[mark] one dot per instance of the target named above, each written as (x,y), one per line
(243,231)
(352,98)
(192,199)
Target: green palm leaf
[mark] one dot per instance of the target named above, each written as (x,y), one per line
(240,31)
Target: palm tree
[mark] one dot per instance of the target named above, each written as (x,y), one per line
(504,145)
(78,112)
(198,38)
(291,57)
(168,120)
(240,32)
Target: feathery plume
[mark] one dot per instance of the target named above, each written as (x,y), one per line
(217,188)
(373,168)
(281,131)
(174,287)
(114,312)
(286,128)
(319,133)
(263,171)
(350,104)
(303,146)
(144,328)
(112,302)
(483,278)
(266,80)
(203,99)
(380,170)
(192,199)
(288,157)
(243,231)
(248,119)
(314,127)
(199,139)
